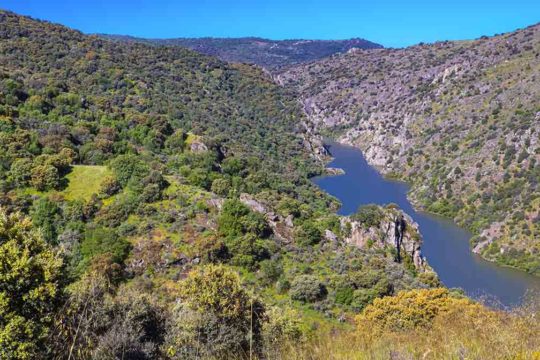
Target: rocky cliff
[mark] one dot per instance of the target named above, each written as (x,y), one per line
(396,230)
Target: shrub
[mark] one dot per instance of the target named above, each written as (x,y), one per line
(344,295)
(307,288)
(221,186)
(29,277)
(233,166)
(369,215)
(411,309)
(100,241)
(110,186)
(247,250)
(283,325)
(308,234)
(46,215)
(230,219)
(45,177)
(363,297)
(21,172)
(129,168)
(270,271)
(200,177)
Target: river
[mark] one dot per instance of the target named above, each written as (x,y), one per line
(446,246)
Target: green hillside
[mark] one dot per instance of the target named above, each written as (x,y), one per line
(156,203)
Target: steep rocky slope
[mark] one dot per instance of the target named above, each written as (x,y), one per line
(270,54)
(458,120)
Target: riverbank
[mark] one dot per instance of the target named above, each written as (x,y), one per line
(445,245)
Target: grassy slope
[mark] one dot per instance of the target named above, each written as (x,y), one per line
(84,181)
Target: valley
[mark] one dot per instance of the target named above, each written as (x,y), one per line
(458,120)
(220,198)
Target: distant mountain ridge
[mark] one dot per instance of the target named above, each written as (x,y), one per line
(270,54)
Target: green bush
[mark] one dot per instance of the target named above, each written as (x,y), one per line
(307,288)
(129,168)
(369,215)
(103,241)
(30,274)
(217,318)
(308,234)
(45,177)
(344,295)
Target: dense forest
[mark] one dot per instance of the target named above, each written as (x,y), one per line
(156,204)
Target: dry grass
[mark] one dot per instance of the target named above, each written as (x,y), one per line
(456,335)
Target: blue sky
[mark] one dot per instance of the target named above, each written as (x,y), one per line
(393,23)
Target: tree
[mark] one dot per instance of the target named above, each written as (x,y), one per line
(129,168)
(102,241)
(46,216)
(29,277)
(45,177)
(20,171)
(175,142)
(369,215)
(236,219)
(221,186)
(243,231)
(308,234)
(233,166)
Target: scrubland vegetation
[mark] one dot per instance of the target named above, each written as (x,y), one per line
(156,204)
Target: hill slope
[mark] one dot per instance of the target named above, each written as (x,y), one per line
(171,191)
(458,120)
(270,54)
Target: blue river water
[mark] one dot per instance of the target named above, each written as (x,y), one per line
(446,246)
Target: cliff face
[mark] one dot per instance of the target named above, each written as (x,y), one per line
(396,230)
(460,121)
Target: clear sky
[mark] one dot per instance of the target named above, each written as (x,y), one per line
(392,23)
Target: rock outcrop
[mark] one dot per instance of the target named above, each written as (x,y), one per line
(283,228)
(334,171)
(396,229)
(198,146)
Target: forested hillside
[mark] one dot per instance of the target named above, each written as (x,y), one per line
(269,54)
(458,120)
(156,203)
